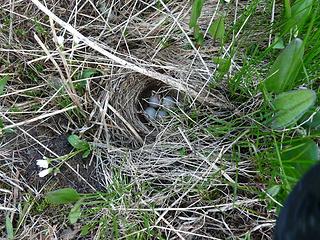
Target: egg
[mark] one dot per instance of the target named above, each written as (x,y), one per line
(150,113)
(154,101)
(161,114)
(168,102)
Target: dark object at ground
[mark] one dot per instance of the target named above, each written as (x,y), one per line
(300,217)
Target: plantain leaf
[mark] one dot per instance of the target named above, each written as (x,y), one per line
(84,76)
(290,106)
(88,73)
(63,196)
(300,12)
(86,153)
(217,29)
(311,120)
(77,143)
(285,69)
(274,190)
(195,12)
(75,212)
(279,44)
(301,155)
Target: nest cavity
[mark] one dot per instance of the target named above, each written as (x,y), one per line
(130,98)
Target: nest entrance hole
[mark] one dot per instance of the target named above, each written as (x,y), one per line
(152,87)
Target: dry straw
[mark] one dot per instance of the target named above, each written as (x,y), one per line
(178,84)
(127,95)
(177,170)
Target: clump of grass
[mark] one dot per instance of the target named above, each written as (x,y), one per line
(283,135)
(212,170)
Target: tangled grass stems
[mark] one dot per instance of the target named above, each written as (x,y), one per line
(194,178)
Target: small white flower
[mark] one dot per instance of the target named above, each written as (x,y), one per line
(60,40)
(45,172)
(43,163)
(76,40)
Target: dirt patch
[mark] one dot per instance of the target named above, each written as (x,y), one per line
(28,152)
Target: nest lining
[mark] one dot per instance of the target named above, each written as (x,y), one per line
(129,97)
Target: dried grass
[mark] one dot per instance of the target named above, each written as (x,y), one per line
(189,172)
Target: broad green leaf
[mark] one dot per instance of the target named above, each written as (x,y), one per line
(3,82)
(86,153)
(77,143)
(9,228)
(301,155)
(85,75)
(88,73)
(63,196)
(300,12)
(313,123)
(217,29)
(75,212)
(283,73)
(274,190)
(290,106)
(279,44)
(196,12)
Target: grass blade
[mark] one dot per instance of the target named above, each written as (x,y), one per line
(3,82)
(9,228)
(195,12)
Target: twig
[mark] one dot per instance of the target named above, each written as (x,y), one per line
(38,118)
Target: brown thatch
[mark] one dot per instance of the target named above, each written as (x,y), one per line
(180,172)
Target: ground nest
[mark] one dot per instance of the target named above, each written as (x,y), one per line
(176,176)
(130,99)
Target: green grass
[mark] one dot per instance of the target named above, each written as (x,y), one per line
(269,145)
(107,211)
